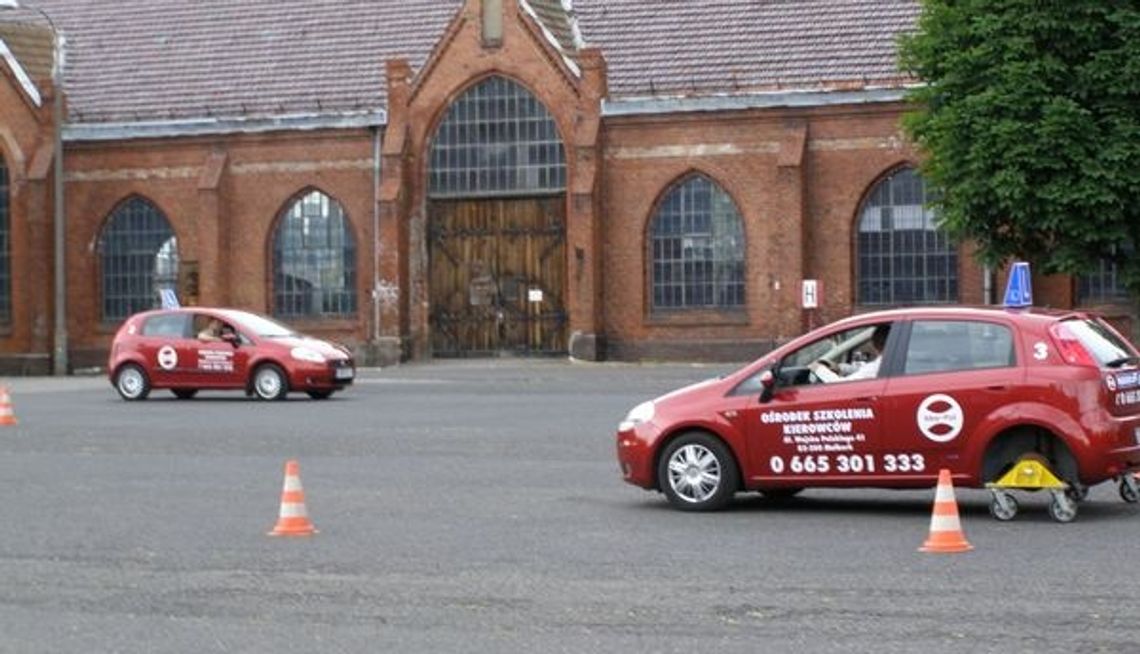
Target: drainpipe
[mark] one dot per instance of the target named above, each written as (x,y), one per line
(988,285)
(375,235)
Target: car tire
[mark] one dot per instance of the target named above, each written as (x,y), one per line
(184,393)
(132,383)
(269,382)
(320,395)
(697,472)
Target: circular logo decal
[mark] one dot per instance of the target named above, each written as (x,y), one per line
(940,418)
(167,358)
(1110,382)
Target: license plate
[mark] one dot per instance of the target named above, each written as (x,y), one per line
(344,373)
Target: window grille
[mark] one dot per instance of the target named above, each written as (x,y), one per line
(140,258)
(314,260)
(496,140)
(902,255)
(5,247)
(1102,286)
(697,248)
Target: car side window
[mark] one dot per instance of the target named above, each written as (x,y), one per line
(953,345)
(172,325)
(844,354)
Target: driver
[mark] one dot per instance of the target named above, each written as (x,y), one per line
(824,370)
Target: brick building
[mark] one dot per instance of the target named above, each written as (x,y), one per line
(619,179)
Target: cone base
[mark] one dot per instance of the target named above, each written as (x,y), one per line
(946,548)
(292,531)
(7,421)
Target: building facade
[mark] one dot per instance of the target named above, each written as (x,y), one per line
(607,180)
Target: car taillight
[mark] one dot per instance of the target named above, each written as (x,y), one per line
(1070,347)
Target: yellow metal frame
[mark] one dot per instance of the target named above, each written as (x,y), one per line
(1030,473)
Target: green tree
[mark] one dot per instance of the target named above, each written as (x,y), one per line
(1030,121)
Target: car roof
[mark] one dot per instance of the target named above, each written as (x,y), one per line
(959,312)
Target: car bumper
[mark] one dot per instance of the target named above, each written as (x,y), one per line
(323,376)
(635,455)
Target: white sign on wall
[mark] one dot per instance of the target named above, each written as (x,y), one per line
(811,293)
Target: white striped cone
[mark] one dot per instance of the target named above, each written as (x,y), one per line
(293,519)
(945,528)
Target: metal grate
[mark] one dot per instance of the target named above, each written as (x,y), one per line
(903,258)
(1102,286)
(697,248)
(496,140)
(314,260)
(5,248)
(140,258)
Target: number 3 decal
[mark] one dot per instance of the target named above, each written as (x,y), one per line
(1040,351)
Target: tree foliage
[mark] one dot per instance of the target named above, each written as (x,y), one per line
(1030,120)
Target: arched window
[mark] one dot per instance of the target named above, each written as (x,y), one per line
(314,260)
(5,247)
(496,139)
(140,258)
(696,244)
(902,256)
(1102,286)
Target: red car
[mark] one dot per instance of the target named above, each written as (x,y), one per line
(196,348)
(973,390)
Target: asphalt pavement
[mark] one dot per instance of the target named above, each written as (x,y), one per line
(476,506)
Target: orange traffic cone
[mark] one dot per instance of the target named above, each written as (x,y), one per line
(293,519)
(946,535)
(6,415)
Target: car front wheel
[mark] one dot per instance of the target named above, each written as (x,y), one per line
(698,473)
(269,382)
(132,382)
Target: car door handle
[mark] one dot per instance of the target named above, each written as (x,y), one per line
(867,398)
(997,387)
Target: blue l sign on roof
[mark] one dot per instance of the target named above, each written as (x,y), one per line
(169,299)
(1018,292)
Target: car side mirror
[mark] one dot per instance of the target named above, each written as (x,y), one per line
(768,386)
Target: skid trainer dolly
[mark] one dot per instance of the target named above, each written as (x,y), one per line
(1031,474)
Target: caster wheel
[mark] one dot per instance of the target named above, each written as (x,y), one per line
(1003,507)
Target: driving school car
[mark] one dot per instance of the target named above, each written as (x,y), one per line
(973,390)
(178,349)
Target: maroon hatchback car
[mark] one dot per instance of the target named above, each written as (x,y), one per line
(886,399)
(192,349)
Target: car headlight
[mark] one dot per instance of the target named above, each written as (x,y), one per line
(641,413)
(305,354)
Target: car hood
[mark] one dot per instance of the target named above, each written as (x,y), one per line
(325,348)
(688,392)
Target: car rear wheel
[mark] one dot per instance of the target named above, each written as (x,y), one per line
(269,382)
(320,395)
(132,382)
(184,393)
(698,473)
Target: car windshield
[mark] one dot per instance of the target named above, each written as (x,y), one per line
(260,325)
(1101,342)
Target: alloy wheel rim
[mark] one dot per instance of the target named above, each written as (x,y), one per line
(268,383)
(130,382)
(694,473)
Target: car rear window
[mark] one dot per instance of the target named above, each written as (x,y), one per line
(949,345)
(167,324)
(1100,340)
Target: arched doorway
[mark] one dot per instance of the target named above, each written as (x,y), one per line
(497,226)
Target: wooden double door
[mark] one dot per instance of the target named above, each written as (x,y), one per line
(497,276)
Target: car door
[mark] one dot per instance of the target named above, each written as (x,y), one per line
(951,375)
(811,433)
(216,363)
(162,341)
